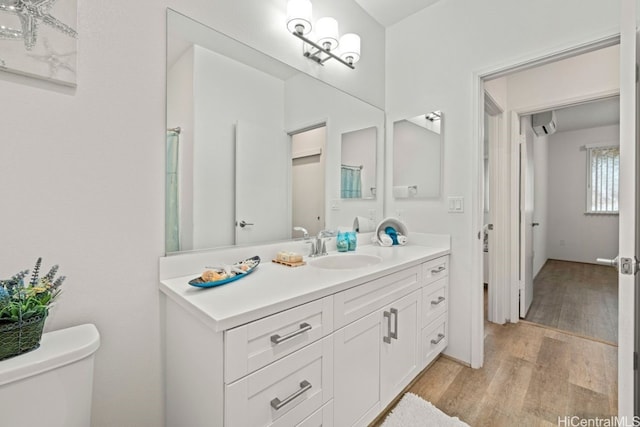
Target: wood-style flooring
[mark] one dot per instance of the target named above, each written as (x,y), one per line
(531,376)
(578,298)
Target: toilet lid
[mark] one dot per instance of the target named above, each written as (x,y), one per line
(57,348)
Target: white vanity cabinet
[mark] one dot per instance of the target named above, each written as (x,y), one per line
(434,333)
(376,356)
(337,360)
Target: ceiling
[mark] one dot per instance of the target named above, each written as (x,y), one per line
(389,12)
(604,112)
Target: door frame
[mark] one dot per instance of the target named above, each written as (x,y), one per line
(509,240)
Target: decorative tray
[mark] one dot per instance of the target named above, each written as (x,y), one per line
(219,276)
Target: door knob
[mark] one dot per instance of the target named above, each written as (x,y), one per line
(607,261)
(243,224)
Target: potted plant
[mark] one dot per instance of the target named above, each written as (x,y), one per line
(24,307)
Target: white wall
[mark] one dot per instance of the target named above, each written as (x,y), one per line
(588,76)
(83,172)
(572,235)
(473,37)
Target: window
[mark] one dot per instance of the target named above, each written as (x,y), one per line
(603,180)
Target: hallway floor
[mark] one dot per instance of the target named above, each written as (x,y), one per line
(531,376)
(578,298)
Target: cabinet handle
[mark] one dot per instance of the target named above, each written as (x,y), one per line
(438,270)
(387,339)
(277,403)
(394,334)
(277,339)
(437,340)
(438,301)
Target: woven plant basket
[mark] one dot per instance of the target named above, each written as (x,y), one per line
(19,337)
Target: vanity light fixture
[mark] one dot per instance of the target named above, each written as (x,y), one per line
(432,117)
(326,43)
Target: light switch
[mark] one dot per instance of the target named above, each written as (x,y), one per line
(335,204)
(456,204)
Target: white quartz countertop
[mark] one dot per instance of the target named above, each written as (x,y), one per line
(272,287)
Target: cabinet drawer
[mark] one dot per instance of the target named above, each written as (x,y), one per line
(323,417)
(435,269)
(285,392)
(435,300)
(434,339)
(254,345)
(357,302)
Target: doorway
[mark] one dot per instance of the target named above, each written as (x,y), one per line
(506,214)
(307,178)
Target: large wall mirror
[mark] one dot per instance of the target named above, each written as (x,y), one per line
(254,146)
(417,156)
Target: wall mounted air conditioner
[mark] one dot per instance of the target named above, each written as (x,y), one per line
(544,123)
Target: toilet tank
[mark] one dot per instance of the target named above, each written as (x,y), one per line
(52,385)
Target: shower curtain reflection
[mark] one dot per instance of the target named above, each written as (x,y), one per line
(351,187)
(172,228)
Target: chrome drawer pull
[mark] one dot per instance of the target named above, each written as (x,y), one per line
(387,339)
(277,339)
(438,270)
(394,334)
(438,301)
(440,338)
(277,403)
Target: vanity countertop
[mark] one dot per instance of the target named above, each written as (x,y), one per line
(272,287)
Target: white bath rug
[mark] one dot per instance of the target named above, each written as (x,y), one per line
(413,411)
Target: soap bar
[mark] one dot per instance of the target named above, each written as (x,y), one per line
(285,256)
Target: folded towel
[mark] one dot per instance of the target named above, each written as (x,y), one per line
(384,239)
(393,234)
(402,239)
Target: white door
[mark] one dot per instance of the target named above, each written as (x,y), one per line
(628,209)
(399,361)
(356,384)
(307,152)
(526,225)
(263,168)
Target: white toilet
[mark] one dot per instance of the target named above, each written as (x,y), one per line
(52,385)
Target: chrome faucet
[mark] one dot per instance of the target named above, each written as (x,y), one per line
(318,245)
(305,233)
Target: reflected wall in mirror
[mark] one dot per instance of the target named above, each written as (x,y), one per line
(417,156)
(358,164)
(231,177)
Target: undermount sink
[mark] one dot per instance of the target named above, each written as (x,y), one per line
(345,261)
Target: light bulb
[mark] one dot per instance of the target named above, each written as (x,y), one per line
(299,16)
(327,31)
(350,48)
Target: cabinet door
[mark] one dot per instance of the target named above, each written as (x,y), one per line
(399,354)
(357,371)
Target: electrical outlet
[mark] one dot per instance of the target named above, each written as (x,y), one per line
(372,214)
